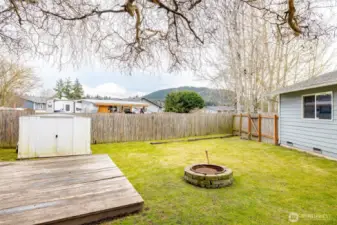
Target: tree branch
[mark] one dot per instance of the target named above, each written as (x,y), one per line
(188,22)
(194,4)
(15,7)
(92,13)
(292,19)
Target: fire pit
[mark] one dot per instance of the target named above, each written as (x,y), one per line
(208,175)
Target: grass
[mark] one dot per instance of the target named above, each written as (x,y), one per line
(7,154)
(269,183)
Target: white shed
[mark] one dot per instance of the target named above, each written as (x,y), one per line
(53,135)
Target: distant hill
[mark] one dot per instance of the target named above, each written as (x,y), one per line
(210,96)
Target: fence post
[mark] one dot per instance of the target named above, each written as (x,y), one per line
(240,124)
(233,124)
(259,128)
(275,129)
(249,126)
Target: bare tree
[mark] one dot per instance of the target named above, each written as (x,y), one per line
(126,34)
(129,34)
(305,18)
(15,80)
(252,56)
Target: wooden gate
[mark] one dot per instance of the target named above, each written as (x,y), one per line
(256,127)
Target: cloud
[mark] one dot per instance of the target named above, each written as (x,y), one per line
(97,80)
(110,89)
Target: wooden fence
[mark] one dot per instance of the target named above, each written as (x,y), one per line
(107,128)
(256,127)
(9,126)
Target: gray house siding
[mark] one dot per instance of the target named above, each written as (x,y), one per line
(28,104)
(307,134)
(33,105)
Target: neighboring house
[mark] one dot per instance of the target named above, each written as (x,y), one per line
(32,102)
(308,115)
(93,106)
(154,106)
(112,106)
(64,106)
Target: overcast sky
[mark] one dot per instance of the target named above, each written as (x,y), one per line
(98,80)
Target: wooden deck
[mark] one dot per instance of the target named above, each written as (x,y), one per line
(69,190)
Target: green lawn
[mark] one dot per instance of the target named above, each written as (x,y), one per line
(7,154)
(269,183)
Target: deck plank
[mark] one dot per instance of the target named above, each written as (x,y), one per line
(55,181)
(35,166)
(70,190)
(53,172)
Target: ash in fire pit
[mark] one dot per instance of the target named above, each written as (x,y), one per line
(208,175)
(207,169)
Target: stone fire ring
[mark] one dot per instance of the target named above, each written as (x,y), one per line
(219,179)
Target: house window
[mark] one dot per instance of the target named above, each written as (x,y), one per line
(40,106)
(318,106)
(309,106)
(324,106)
(67,107)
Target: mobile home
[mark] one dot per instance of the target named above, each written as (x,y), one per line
(64,106)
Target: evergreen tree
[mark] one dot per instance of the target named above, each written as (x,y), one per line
(77,92)
(59,88)
(68,89)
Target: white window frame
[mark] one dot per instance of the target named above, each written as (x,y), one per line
(315,94)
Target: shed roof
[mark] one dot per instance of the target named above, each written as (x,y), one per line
(53,115)
(115,102)
(323,80)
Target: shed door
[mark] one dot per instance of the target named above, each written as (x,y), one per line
(64,136)
(55,137)
(46,141)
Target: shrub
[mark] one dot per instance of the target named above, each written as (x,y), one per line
(183,101)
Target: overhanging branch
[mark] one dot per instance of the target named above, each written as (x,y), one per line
(92,13)
(292,19)
(176,12)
